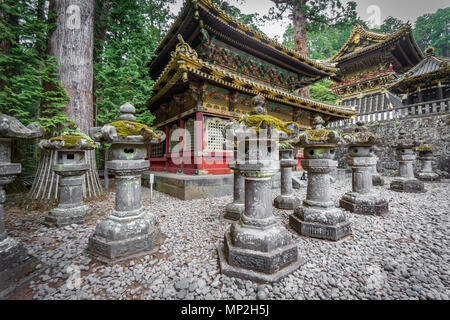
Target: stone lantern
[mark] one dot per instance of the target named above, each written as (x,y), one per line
(377,180)
(258,247)
(286,200)
(15,263)
(130,231)
(317,217)
(406,182)
(234,210)
(71,165)
(362,160)
(427,158)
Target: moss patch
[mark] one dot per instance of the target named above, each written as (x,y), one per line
(426,148)
(129,128)
(70,141)
(257,120)
(318,135)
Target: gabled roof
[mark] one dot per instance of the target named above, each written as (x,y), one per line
(430,68)
(203,14)
(185,61)
(362,42)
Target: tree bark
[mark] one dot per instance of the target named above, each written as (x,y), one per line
(299,25)
(72,43)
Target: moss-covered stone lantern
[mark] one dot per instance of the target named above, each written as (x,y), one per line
(71,165)
(286,200)
(258,247)
(361,159)
(404,150)
(130,231)
(317,217)
(15,263)
(426,157)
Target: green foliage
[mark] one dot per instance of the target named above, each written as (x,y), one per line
(252,20)
(319,14)
(24,67)
(129,32)
(433,30)
(390,25)
(321,91)
(322,44)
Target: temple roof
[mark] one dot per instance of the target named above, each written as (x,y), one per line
(202,16)
(430,68)
(185,62)
(401,44)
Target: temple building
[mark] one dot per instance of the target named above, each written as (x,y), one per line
(427,81)
(207,69)
(368,62)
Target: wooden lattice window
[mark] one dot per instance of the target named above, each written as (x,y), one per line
(173,139)
(158,150)
(214,138)
(189,126)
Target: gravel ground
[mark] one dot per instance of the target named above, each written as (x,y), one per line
(403,255)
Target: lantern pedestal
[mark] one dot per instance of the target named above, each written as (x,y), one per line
(286,200)
(234,210)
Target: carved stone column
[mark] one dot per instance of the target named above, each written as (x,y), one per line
(317,217)
(234,210)
(15,263)
(130,231)
(377,180)
(406,182)
(426,157)
(258,247)
(361,158)
(286,200)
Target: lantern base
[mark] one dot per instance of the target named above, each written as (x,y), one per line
(377,180)
(61,217)
(364,204)
(16,266)
(121,239)
(286,202)
(428,176)
(233,211)
(323,223)
(257,266)
(407,185)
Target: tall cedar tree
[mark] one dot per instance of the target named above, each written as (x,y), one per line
(71,43)
(127,32)
(312,15)
(24,66)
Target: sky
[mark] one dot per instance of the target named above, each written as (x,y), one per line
(372,11)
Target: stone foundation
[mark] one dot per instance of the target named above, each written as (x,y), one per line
(364,204)
(189,187)
(16,266)
(61,217)
(117,240)
(411,185)
(257,266)
(333,232)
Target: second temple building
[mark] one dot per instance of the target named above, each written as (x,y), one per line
(207,69)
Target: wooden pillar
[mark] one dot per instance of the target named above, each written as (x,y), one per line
(198,147)
(440,91)
(420,95)
(167,140)
(182,144)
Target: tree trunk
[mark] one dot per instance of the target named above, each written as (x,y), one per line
(299,25)
(71,42)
